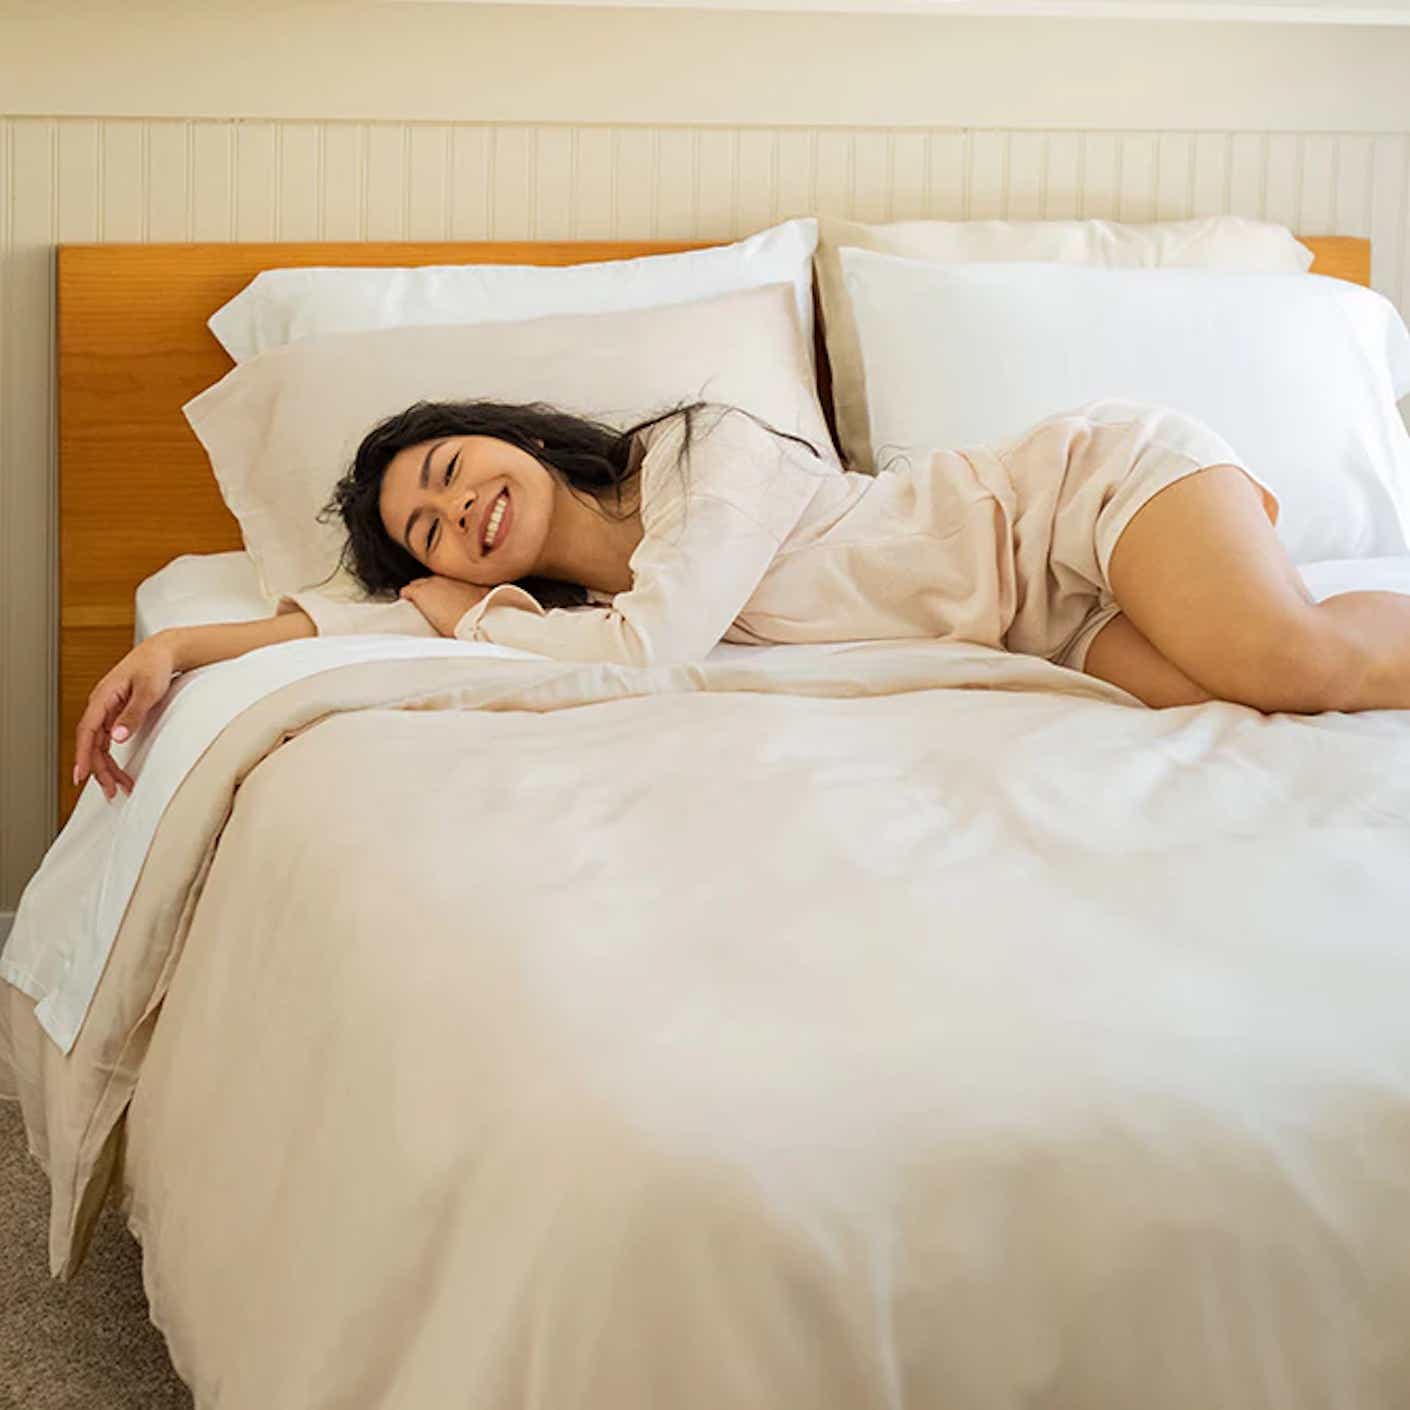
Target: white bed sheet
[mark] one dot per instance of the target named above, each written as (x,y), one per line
(95,861)
(93,865)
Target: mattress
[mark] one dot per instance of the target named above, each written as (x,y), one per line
(890,1024)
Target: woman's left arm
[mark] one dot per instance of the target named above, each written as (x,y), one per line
(689,583)
(710,531)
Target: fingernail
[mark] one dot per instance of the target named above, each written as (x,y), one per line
(120,733)
(75,773)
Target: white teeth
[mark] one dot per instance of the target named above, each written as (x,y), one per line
(496,514)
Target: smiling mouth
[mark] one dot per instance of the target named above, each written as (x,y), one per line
(496,523)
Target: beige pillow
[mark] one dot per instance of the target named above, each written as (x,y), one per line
(1224,242)
(281,428)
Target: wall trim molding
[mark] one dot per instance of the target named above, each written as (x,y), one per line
(1226,11)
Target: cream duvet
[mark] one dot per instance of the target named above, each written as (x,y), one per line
(905,1025)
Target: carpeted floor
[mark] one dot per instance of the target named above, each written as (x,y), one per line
(84,1345)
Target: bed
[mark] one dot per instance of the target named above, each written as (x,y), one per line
(891,1024)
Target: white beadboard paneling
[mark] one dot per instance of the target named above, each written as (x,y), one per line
(13,574)
(1351,194)
(28,486)
(716,195)
(343,174)
(594,185)
(1318,172)
(1282,179)
(1027,156)
(385,192)
(79,167)
(99,178)
(212,174)
(298,174)
(1100,176)
(948,192)
(428,171)
(832,172)
(1135,197)
(255,194)
(676,192)
(910,164)
(512,183)
(634,158)
(168,175)
(755,180)
(1246,166)
(471,182)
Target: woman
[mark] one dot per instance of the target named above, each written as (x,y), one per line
(1125,540)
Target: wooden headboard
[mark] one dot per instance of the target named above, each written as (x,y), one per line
(135,488)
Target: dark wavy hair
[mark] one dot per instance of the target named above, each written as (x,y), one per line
(584,454)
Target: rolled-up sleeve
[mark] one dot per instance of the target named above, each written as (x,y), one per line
(683,598)
(711,528)
(333,616)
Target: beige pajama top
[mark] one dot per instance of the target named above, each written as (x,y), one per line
(761,542)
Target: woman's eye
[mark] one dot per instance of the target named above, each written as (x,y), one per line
(450,466)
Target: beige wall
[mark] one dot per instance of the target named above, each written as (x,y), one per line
(458,121)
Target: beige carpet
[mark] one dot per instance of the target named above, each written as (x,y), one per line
(84,1345)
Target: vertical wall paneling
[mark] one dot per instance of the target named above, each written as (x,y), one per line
(81,179)
(716,183)
(297,197)
(212,173)
(1318,172)
(168,174)
(33,829)
(755,181)
(1135,195)
(27,515)
(675,193)
(634,164)
(594,184)
(255,194)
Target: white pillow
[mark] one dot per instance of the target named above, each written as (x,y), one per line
(1228,242)
(280,305)
(1299,373)
(281,428)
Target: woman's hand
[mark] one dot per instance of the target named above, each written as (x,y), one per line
(443,601)
(116,708)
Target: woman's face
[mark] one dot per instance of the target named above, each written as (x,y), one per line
(438,497)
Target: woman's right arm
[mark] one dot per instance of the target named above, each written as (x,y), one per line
(121,700)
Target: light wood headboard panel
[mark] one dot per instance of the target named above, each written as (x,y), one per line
(135,488)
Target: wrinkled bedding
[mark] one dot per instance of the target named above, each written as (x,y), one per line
(902,1025)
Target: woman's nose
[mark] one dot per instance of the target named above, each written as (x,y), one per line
(465,512)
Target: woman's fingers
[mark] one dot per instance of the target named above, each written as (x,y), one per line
(141,698)
(117,709)
(112,776)
(92,752)
(90,724)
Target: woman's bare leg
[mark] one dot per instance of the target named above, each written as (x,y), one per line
(1201,575)
(1120,654)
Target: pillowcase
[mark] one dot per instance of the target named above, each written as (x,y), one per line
(1299,373)
(280,305)
(281,428)
(1216,242)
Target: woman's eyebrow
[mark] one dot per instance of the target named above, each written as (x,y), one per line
(417,512)
(426,463)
